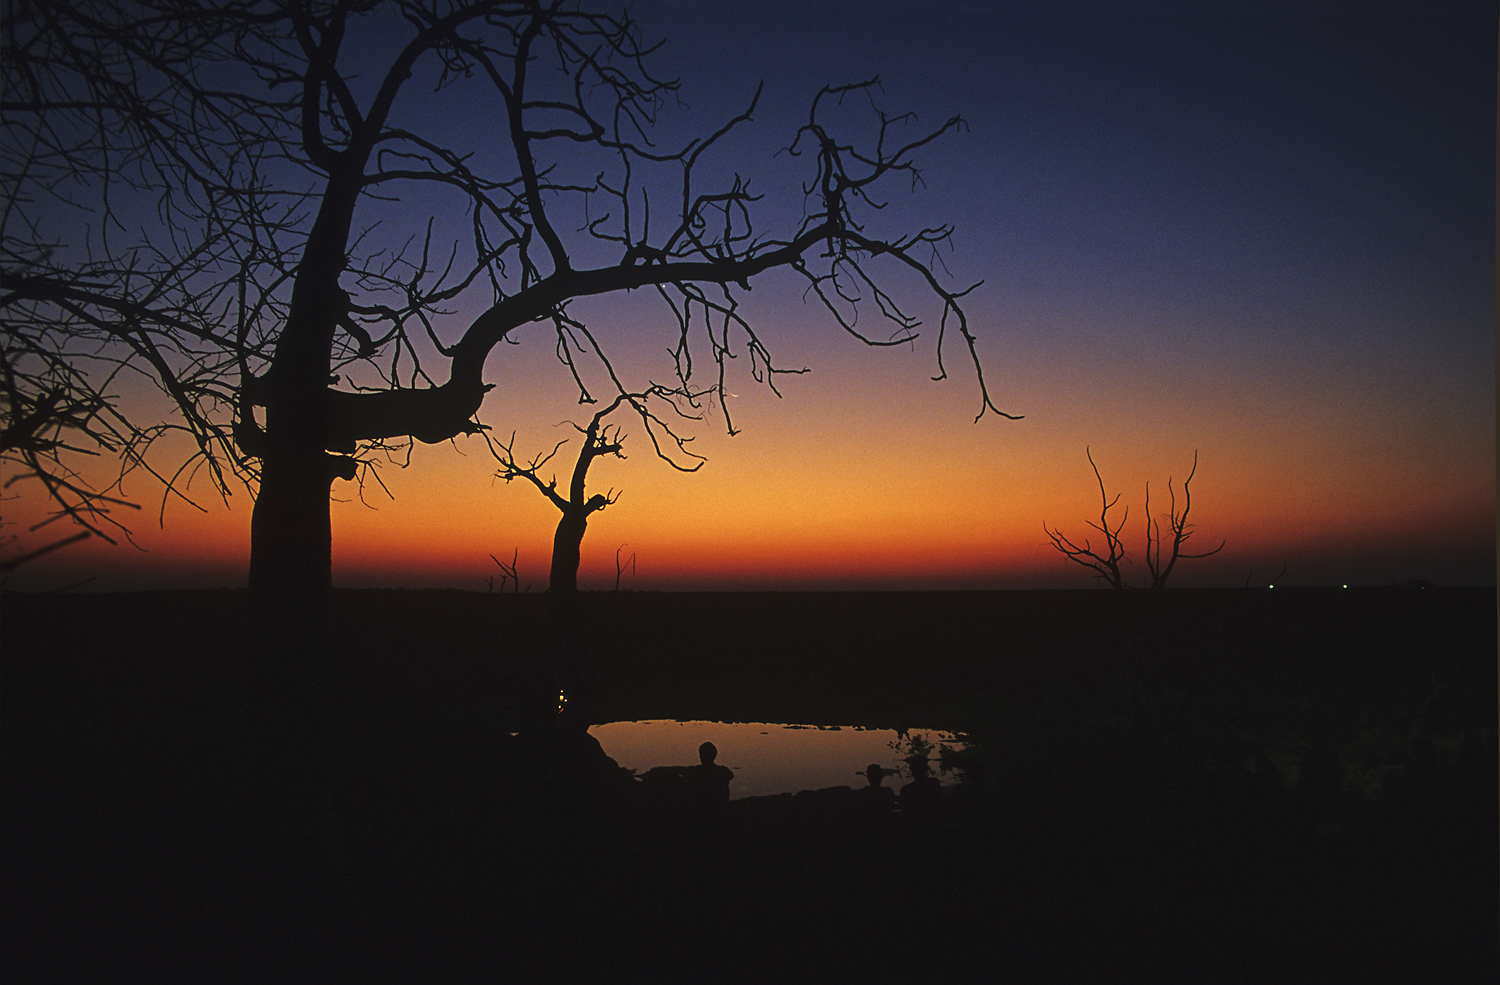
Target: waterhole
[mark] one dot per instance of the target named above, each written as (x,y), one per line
(771,758)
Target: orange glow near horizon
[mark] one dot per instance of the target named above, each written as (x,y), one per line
(840,488)
(1279,257)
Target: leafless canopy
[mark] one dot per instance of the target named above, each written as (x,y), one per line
(1178,531)
(601,439)
(507,573)
(1107,564)
(46,419)
(262,220)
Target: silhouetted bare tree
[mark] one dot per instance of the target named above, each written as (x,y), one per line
(1268,583)
(1179,531)
(621,565)
(128,204)
(599,439)
(204,193)
(295,231)
(508,573)
(1107,564)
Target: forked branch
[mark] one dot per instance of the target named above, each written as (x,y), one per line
(599,439)
(1107,564)
(1164,548)
(1179,531)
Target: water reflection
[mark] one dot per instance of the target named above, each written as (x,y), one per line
(766,758)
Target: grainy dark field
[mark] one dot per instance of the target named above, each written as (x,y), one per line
(1273,785)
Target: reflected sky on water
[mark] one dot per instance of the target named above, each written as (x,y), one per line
(766,758)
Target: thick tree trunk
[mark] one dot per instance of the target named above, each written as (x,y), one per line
(291,563)
(291,850)
(291,540)
(567,549)
(290,580)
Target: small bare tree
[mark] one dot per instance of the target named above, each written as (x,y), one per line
(508,574)
(599,439)
(1250,578)
(1179,531)
(620,565)
(262,209)
(1107,564)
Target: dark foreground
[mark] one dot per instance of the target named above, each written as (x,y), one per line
(1188,786)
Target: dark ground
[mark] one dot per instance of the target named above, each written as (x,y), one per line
(1257,786)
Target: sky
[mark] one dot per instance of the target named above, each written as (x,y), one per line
(1261,237)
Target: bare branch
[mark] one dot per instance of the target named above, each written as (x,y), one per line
(620,566)
(1180,531)
(218,199)
(508,573)
(1106,565)
(600,439)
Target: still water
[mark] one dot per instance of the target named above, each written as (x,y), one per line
(767,758)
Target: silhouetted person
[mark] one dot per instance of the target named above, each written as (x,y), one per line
(921,797)
(708,782)
(875,797)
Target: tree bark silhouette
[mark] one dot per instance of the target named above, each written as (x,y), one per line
(294,346)
(567,545)
(219,198)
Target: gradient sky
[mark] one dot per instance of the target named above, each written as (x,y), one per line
(1269,239)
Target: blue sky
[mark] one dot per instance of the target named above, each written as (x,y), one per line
(1268,238)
